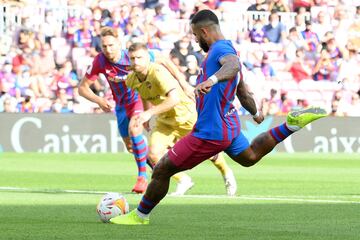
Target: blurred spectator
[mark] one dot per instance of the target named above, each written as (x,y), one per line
(300,23)
(349,68)
(51,27)
(299,69)
(302,3)
(353,108)
(300,104)
(275,30)
(278,6)
(192,69)
(95,46)
(8,104)
(312,40)
(324,68)
(295,42)
(119,17)
(150,3)
(66,80)
(259,5)
(270,106)
(257,34)
(322,25)
(266,67)
(82,37)
(73,23)
(341,26)
(333,49)
(181,50)
(174,5)
(26,106)
(7,80)
(285,104)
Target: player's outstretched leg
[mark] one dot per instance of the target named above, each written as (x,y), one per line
(265,142)
(228,175)
(155,192)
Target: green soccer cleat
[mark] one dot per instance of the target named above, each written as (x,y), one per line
(130,219)
(298,119)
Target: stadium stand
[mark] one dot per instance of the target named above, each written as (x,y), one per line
(307,51)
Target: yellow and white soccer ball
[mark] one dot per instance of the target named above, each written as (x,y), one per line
(112,205)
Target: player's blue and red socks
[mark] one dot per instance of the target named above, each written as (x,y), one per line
(280,132)
(145,207)
(140,151)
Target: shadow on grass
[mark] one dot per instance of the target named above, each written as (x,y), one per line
(208,221)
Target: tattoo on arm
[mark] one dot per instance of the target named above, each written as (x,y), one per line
(230,67)
(245,98)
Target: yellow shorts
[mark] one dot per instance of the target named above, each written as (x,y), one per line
(165,136)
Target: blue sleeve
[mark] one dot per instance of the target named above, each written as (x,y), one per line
(152,56)
(221,50)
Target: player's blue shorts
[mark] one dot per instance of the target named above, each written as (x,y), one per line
(124,114)
(122,121)
(238,145)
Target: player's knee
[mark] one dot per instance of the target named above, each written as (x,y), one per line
(135,130)
(153,154)
(246,160)
(164,169)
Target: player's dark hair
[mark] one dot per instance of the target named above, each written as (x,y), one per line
(204,16)
(137,46)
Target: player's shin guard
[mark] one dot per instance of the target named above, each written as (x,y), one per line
(140,150)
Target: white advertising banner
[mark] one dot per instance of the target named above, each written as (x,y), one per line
(89,133)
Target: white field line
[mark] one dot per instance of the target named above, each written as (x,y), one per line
(304,199)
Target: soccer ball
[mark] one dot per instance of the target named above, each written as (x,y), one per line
(112,205)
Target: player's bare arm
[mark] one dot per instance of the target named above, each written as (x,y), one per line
(170,66)
(248,102)
(86,92)
(230,66)
(171,100)
(147,105)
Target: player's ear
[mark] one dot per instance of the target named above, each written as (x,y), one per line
(204,31)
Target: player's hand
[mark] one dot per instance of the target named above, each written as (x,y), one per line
(143,118)
(189,91)
(104,105)
(259,119)
(203,88)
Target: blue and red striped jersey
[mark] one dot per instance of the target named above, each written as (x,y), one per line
(217,117)
(116,74)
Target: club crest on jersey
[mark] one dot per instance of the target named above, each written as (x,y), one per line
(148,85)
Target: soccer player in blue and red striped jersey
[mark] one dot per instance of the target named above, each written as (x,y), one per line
(114,64)
(218,125)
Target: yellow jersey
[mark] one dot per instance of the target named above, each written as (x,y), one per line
(157,84)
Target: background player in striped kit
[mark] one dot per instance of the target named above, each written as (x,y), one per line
(114,64)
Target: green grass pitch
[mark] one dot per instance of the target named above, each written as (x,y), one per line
(285,196)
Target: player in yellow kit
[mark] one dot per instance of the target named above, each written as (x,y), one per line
(175,113)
